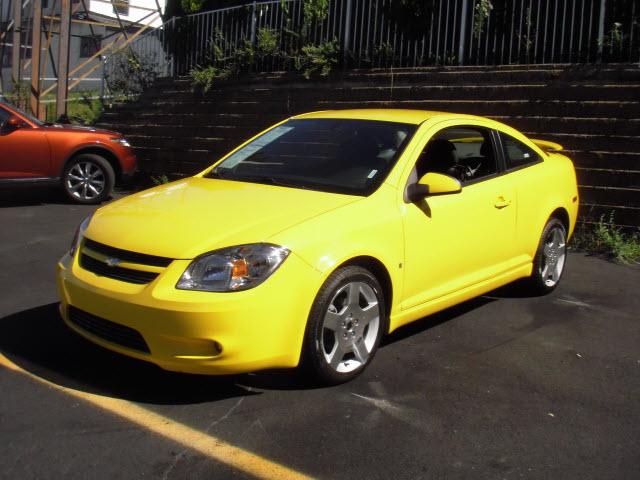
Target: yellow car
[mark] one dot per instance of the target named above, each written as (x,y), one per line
(312,240)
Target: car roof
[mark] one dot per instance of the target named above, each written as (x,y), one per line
(415,117)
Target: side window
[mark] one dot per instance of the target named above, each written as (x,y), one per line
(4,116)
(516,153)
(465,153)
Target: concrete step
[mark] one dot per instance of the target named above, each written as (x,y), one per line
(600,177)
(523,107)
(488,91)
(119,118)
(572,141)
(438,75)
(623,216)
(182,131)
(578,125)
(604,159)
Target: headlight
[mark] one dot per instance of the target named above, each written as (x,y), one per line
(234,268)
(121,141)
(78,235)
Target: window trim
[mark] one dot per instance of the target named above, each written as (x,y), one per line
(497,147)
(503,149)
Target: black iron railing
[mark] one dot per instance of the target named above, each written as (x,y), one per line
(382,33)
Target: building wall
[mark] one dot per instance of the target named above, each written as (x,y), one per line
(134,15)
(81,40)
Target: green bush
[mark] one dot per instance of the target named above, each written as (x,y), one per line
(203,78)
(317,59)
(19,95)
(267,42)
(607,238)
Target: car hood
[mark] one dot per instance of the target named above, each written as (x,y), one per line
(58,127)
(190,217)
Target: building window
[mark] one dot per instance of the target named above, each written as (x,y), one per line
(121,7)
(89,46)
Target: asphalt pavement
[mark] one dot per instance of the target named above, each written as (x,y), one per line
(503,386)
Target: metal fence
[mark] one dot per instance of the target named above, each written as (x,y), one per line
(382,33)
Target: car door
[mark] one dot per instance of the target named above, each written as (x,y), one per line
(455,241)
(24,151)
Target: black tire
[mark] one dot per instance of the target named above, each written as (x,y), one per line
(94,188)
(357,328)
(541,282)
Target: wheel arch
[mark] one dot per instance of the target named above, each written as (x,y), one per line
(103,152)
(378,270)
(562,214)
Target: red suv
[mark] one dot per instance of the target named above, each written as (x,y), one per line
(85,161)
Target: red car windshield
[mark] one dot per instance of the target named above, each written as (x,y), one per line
(28,116)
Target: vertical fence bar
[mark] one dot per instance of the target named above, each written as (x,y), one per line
(603,6)
(253,23)
(347,29)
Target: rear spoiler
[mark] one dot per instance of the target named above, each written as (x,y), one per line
(547,146)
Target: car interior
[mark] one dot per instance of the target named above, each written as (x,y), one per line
(465,154)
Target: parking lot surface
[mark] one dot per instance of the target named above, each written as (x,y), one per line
(504,386)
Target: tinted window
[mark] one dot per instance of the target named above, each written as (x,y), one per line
(335,155)
(516,153)
(4,115)
(465,153)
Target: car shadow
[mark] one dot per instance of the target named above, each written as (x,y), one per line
(38,341)
(432,321)
(31,195)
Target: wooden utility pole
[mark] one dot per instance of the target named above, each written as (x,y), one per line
(36,40)
(63,57)
(16,40)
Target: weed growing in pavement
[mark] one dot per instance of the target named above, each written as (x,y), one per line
(607,238)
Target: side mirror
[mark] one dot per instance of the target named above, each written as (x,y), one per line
(433,184)
(13,123)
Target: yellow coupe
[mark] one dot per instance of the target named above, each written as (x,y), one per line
(312,240)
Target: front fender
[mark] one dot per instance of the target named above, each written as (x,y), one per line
(369,228)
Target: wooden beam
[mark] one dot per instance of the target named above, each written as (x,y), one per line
(63,58)
(110,46)
(86,22)
(15,52)
(36,51)
(115,50)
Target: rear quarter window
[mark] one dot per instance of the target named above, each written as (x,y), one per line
(517,154)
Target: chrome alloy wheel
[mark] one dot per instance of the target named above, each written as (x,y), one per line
(86,180)
(553,256)
(350,327)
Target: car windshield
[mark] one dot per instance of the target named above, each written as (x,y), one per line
(30,117)
(333,155)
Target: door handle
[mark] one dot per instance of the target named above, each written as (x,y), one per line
(502,202)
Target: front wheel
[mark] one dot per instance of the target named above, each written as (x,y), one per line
(88,179)
(345,326)
(550,259)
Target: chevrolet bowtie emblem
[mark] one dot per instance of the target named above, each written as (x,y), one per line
(113,262)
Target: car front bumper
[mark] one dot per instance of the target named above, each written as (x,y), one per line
(196,332)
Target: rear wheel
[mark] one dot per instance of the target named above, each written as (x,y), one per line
(88,179)
(550,259)
(345,326)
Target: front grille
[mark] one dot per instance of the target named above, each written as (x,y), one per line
(108,330)
(118,273)
(126,255)
(95,257)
